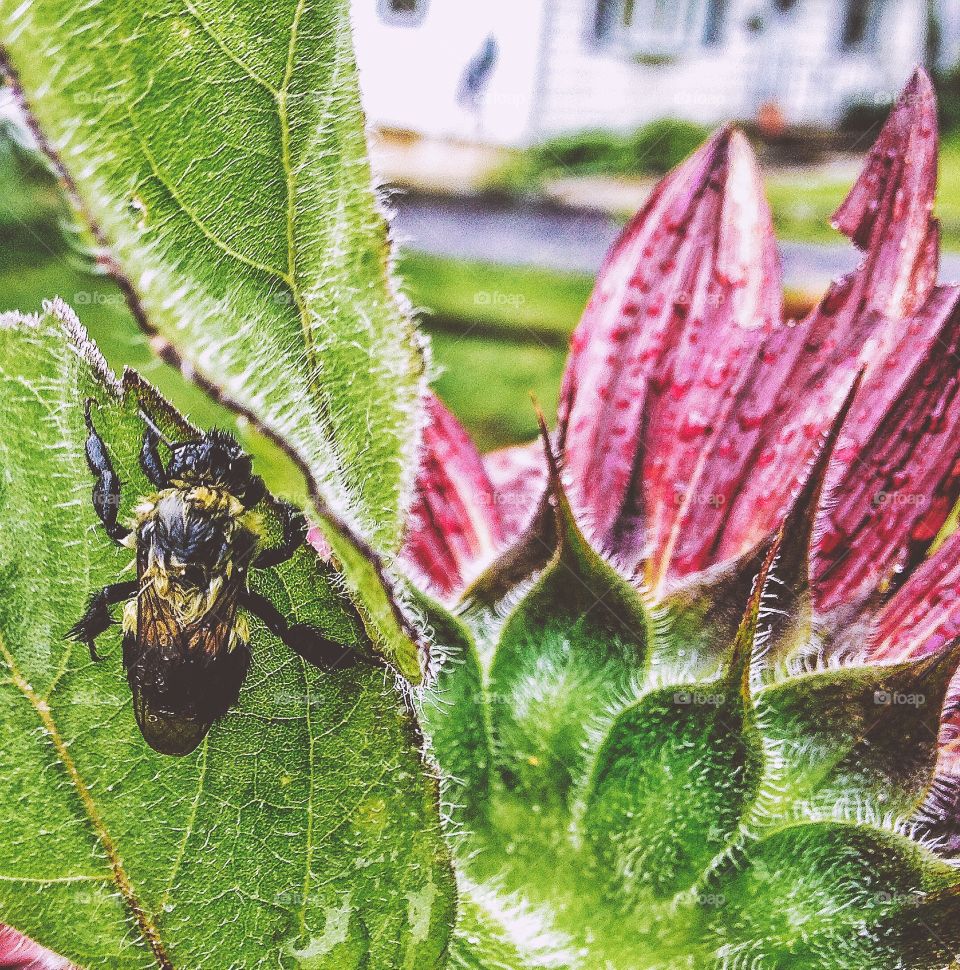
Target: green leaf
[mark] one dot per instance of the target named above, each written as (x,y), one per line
(303,832)
(455,713)
(829,895)
(217,152)
(377,598)
(676,774)
(860,739)
(569,653)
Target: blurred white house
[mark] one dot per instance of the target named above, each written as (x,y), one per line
(509,72)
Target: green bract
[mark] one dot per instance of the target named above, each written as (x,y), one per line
(711,809)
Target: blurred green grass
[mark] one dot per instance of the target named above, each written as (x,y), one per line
(498,333)
(652,149)
(537,305)
(802,207)
(488,383)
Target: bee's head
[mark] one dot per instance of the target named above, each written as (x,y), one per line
(216,460)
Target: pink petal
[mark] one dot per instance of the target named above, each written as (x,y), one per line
(803,370)
(924,615)
(662,351)
(519,476)
(888,212)
(454,526)
(18,952)
(896,483)
(921,618)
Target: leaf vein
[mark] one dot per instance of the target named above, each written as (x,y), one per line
(191,822)
(291,180)
(207,232)
(54,880)
(218,40)
(145,922)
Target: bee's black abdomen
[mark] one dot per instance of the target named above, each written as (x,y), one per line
(177,699)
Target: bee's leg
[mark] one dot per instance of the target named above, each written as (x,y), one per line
(304,640)
(97,617)
(106,491)
(254,492)
(150,460)
(294,536)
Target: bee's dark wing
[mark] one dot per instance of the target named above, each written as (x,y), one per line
(158,627)
(210,635)
(183,678)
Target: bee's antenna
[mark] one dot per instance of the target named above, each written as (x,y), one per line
(152,425)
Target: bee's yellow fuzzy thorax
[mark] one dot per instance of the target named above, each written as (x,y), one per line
(206,499)
(187,602)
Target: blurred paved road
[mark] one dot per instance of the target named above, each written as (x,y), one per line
(528,234)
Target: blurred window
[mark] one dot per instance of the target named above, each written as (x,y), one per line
(714,22)
(661,28)
(860,25)
(403,13)
(605,22)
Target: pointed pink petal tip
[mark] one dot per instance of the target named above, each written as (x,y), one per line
(889,211)
(454,526)
(678,311)
(802,369)
(908,138)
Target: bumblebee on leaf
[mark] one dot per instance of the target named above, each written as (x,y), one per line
(186,644)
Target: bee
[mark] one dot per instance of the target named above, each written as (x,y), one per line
(186,642)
